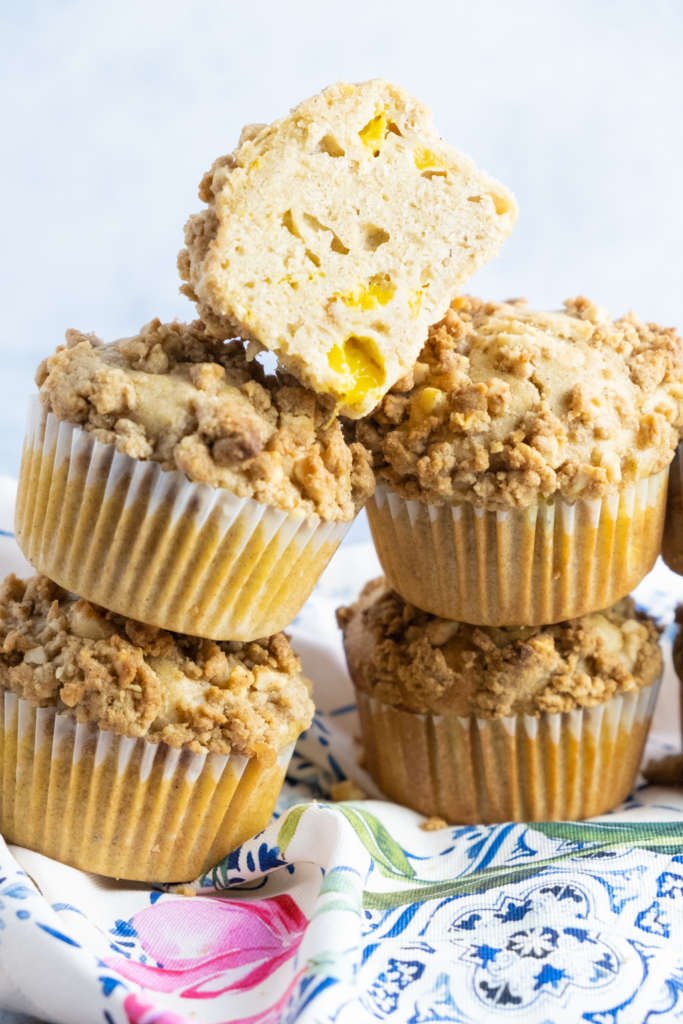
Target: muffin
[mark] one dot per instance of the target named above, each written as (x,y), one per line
(168,478)
(336,235)
(133,752)
(672,540)
(522,465)
(475,724)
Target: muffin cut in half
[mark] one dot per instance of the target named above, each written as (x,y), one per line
(475,724)
(335,236)
(168,478)
(522,464)
(133,752)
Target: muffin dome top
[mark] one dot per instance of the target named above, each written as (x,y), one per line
(418,662)
(506,406)
(140,681)
(174,395)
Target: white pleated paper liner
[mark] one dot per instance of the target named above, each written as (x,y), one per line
(519,567)
(567,765)
(147,543)
(122,806)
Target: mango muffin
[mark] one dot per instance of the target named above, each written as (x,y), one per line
(131,751)
(474,724)
(170,479)
(336,235)
(522,464)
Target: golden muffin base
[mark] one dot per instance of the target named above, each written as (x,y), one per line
(672,539)
(125,807)
(149,544)
(563,766)
(519,567)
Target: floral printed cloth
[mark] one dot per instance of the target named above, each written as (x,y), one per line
(350,913)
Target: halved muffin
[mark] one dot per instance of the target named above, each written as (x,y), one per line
(336,235)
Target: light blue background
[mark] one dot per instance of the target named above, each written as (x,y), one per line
(114,110)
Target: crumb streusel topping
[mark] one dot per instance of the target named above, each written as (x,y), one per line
(506,406)
(140,681)
(411,659)
(174,395)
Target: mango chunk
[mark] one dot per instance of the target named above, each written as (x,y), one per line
(360,367)
(372,135)
(427,160)
(415,301)
(377,292)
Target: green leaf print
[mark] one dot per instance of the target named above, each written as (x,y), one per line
(289,825)
(602,837)
(377,840)
(657,836)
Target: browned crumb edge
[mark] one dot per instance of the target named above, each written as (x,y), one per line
(346,789)
(433,824)
(141,681)
(410,659)
(174,395)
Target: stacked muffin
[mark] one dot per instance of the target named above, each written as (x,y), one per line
(190,499)
(521,481)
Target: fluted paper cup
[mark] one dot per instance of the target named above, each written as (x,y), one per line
(147,543)
(672,541)
(568,765)
(519,567)
(121,806)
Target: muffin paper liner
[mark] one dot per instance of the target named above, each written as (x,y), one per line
(568,765)
(121,806)
(149,544)
(519,567)
(672,540)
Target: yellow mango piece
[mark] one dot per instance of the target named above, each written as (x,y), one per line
(427,160)
(426,402)
(360,366)
(373,134)
(377,292)
(415,302)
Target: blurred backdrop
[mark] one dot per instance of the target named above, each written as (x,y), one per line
(112,111)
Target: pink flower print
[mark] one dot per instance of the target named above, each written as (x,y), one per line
(139,1012)
(206,946)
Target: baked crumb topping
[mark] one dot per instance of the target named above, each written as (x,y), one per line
(411,659)
(140,681)
(507,405)
(192,403)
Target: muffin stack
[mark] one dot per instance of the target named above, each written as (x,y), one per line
(522,473)
(191,499)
